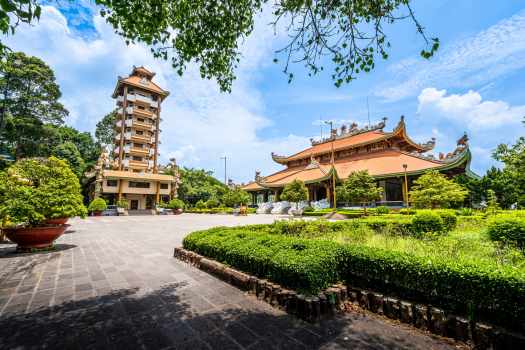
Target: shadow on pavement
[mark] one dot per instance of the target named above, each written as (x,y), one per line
(172,317)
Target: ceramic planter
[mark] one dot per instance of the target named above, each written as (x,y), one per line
(35,237)
(57,221)
(97,213)
(177,211)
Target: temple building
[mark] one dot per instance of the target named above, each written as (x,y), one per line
(390,157)
(132,172)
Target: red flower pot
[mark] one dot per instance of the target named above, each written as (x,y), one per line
(35,237)
(57,221)
(177,211)
(97,213)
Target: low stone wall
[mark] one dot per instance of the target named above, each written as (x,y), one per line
(334,299)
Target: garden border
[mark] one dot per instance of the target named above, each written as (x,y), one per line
(332,300)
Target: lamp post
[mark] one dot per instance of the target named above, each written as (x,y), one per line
(331,123)
(405,166)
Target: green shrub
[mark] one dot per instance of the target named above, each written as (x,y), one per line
(200,204)
(450,220)
(308,209)
(465,212)
(122,204)
(97,204)
(32,190)
(382,210)
(400,226)
(489,292)
(507,229)
(175,204)
(212,203)
(407,211)
(427,222)
(301,264)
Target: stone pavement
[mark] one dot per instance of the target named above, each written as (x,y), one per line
(113,284)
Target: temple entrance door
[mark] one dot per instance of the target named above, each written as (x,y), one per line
(133,204)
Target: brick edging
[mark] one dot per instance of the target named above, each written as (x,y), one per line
(311,308)
(333,300)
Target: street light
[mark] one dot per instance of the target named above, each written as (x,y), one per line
(331,123)
(405,166)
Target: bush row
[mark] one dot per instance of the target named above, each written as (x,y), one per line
(490,293)
(301,264)
(507,229)
(216,211)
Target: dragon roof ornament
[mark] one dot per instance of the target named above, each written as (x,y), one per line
(349,130)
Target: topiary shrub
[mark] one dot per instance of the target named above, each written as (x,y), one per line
(97,205)
(308,209)
(427,222)
(382,210)
(212,203)
(175,204)
(407,211)
(450,220)
(200,204)
(507,229)
(33,190)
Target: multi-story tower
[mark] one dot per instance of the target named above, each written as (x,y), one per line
(135,175)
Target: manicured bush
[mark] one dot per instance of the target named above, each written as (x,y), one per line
(302,264)
(382,210)
(200,204)
(509,229)
(492,292)
(407,211)
(427,222)
(175,204)
(32,190)
(399,226)
(450,220)
(308,209)
(97,204)
(212,203)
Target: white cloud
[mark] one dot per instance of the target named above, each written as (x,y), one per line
(468,108)
(473,61)
(200,124)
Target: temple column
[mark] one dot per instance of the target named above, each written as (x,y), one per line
(157,194)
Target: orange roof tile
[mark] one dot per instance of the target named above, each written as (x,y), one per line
(384,163)
(305,175)
(150,86)
(252,186)
(339,144)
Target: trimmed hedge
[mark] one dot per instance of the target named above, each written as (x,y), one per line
(301,264)
(493,293)
(509,229)
(479,292)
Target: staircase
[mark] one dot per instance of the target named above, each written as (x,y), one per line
(139,212)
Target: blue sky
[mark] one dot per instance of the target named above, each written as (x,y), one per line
(474,84)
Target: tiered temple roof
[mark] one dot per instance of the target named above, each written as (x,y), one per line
(381,153)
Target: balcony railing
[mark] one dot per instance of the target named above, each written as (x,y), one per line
(143,138)
(136,150)
(138,164)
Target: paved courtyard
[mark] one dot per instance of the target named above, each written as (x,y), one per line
(113,284)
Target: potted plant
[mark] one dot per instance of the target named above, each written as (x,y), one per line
(37,196)
(176,205)
(97,206)
(122,207)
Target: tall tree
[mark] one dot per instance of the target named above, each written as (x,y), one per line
(199,185)
(105,130)
(350,32)
(295,192)
(359,187)
(435,190)
(30,101)
(70,153)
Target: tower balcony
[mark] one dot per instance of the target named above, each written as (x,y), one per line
(127,136)
(139,151)
(129,110)
(141,138)
(137,164)
(143,112)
